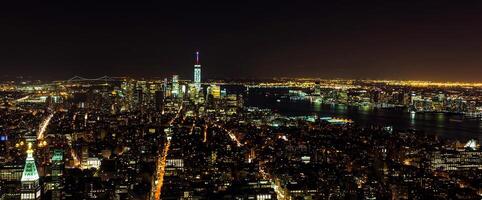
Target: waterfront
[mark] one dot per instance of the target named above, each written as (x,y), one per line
(442,124)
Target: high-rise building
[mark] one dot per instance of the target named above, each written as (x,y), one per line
(57,171)
(215,91)
(84,157)
(197,72)
(175,85)
(10,176)
(159,100)
(30,178)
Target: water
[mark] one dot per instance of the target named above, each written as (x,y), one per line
(442,124)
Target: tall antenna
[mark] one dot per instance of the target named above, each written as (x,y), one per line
(197,57)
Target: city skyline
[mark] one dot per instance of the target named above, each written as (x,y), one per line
(242,100)
(375,40)
(168,138)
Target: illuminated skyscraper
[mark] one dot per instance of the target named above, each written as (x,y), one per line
(57,171)
(197,72)
(175,85)
(215,91)
(30,178)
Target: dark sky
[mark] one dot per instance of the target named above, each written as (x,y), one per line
(431,40)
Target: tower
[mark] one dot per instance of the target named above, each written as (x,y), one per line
(57,171)
(197,72)
(175,85)
(30,177)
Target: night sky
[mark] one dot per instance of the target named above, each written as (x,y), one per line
(430,40)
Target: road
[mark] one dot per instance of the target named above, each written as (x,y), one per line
(161,161)
(43,127)
(281,192)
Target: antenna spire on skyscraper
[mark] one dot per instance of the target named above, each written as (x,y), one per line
(197,57)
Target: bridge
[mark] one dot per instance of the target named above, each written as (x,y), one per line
(80,79)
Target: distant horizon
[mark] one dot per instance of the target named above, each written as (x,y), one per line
(31,78)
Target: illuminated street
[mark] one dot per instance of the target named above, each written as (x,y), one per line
(161,169)
(43,127)
(162,158)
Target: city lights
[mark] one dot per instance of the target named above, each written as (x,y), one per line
(324,100)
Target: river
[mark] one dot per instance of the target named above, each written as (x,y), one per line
(442,124)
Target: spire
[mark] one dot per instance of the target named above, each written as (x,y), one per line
(29,150)
(30,170)
(197,57)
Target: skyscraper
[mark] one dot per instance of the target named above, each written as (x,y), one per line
(215,91)
(175,85)
(30,178)
(57,171)
(197,72)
